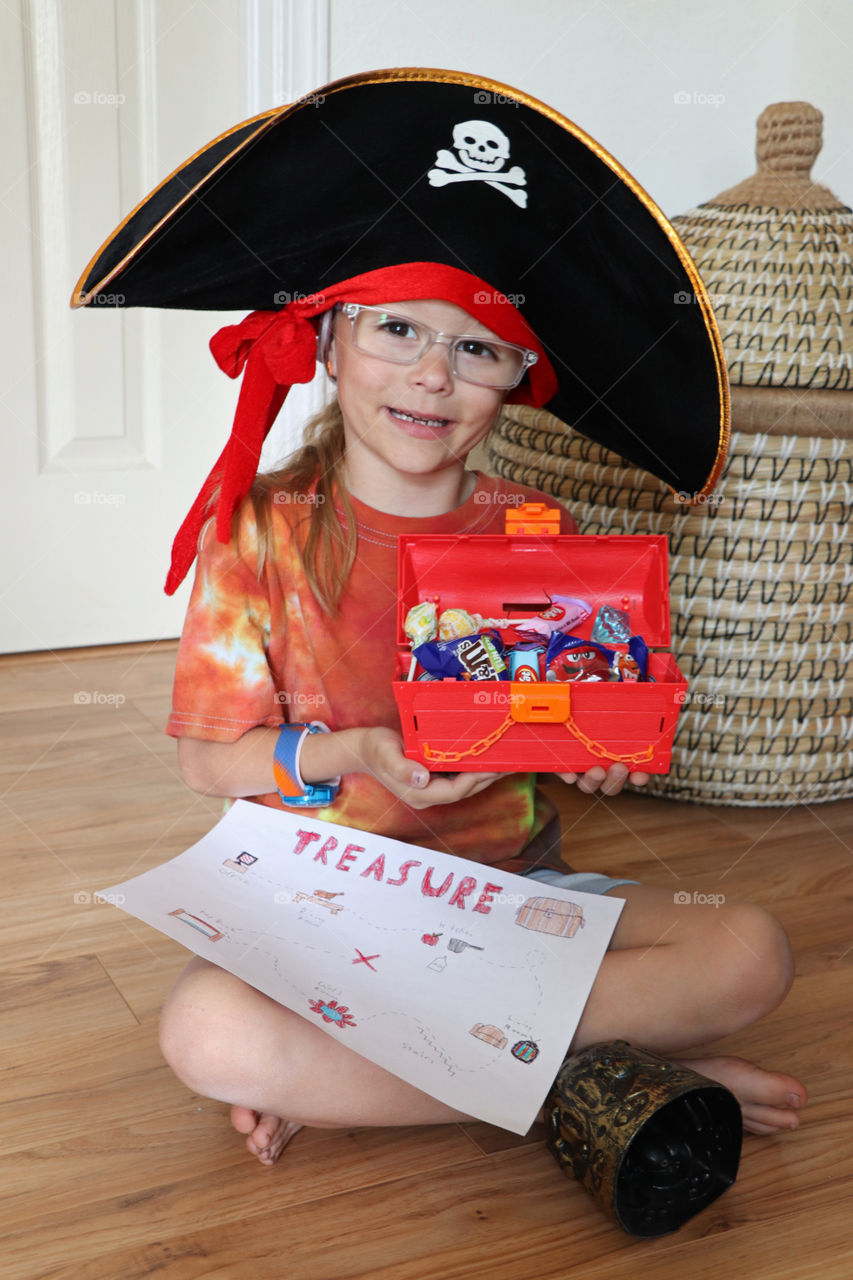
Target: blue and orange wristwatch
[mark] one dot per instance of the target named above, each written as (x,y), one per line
(291,787)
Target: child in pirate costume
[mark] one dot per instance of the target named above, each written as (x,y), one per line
(445,255)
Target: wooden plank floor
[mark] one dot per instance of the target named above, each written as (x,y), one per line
(111,1170)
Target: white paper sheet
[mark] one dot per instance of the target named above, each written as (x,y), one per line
(448,973)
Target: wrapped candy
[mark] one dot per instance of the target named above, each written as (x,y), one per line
(454,623)
(477,657)
(525,662)
(633,665)
(571,658)
(563,613)
(421,622)
(612,625)
(421,625)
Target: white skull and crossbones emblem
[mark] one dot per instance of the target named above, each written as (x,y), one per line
(482,150)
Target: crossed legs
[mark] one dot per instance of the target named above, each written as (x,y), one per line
(676,977)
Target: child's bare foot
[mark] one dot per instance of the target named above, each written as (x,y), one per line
(266,1135)
(769,1100)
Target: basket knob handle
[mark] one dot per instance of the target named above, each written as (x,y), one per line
(789,139)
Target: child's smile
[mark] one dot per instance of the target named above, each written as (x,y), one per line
(431,425)
(419,426)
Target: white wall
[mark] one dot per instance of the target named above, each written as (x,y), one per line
(616,66)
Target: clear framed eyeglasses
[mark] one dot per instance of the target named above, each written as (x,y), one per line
(402,340)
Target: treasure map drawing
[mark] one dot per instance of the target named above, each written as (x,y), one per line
(464,981)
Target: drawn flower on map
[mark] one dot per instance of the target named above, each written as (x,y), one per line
(331,1011)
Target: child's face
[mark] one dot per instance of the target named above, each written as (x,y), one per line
(451,416)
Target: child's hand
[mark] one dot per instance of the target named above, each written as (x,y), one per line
(611,780)
(381,753)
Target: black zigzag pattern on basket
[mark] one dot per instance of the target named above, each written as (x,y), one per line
(568,444)
(781,289)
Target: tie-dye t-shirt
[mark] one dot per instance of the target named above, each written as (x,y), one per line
(257,652)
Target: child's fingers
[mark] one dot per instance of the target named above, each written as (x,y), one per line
(444,790)
(592,779)
(386,761)
(479,782)
(615,779)
(610,781)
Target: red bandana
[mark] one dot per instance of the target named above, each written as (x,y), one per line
(275,349)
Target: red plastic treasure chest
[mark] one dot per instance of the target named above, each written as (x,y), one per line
(508,726)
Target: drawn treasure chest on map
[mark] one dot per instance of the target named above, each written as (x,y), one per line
(491,1035)
(321,898)
(550,915)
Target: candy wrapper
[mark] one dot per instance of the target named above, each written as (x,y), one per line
(421,622)
(611,626)
(633,665)
(421,625)
(571,658)
(563,613)
(454,623)
(477,657)
(525,662)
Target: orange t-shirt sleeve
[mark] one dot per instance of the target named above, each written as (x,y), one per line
(223,682)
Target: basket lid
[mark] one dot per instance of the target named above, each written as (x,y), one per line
(774,252)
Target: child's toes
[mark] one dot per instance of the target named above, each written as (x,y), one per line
(764,1120)
(244,1120)
(270,1137)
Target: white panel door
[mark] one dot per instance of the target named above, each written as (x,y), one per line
(110,418)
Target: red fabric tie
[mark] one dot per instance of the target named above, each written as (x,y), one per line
(276,349)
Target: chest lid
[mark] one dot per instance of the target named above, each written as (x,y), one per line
(514,575)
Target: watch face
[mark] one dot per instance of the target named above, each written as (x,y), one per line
(313,796)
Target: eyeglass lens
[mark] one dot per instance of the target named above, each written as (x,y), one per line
(403,341)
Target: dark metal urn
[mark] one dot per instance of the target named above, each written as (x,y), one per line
(652,1141)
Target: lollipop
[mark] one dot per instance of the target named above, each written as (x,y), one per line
(421,625)
(455,623)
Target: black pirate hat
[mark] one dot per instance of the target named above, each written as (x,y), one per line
(414,165)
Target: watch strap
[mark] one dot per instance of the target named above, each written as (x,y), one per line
(289,781)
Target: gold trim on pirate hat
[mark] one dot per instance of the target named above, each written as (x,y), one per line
(418,166)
